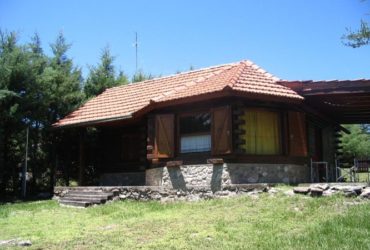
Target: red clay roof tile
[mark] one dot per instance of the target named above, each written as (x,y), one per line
(125,101)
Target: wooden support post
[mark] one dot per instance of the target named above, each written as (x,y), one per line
(82,163)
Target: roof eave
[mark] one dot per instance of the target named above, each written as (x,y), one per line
(93,122)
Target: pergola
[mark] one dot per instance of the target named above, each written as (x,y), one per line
(346,102)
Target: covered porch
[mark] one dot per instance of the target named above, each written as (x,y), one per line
(345,102)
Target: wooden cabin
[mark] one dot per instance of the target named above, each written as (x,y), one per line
(227,124)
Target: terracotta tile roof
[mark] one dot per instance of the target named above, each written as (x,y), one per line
(125,101)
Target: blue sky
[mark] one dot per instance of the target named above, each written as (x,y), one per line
(292,39)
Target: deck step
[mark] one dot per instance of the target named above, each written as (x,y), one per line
(89,192)
(86,195)
(85,198)
(75,203)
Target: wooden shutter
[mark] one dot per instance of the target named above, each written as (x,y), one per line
(164,136)
(221,131)
(297,134)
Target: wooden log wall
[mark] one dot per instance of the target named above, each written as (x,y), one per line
(237,120)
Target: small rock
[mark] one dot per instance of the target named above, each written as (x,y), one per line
(365,193)
(316,192)
(254,193)
(115,191)
(273,191)
(323,187)
(24,243)
(349,193)
(7,242)
(122,196)
(297,209)
(289,192)
(355,189)
(329,192)
(301,190)
(222,193)
(208,238)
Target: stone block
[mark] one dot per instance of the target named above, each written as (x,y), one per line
(365,193)
(316,192)
(301,190)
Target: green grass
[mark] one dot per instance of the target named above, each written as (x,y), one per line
(269,222)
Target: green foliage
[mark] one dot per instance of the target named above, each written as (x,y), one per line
(269,222)
(103,76)
(359,37)
(35,91)
(357,143)
(141,76)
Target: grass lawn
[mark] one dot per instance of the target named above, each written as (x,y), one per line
(268,222)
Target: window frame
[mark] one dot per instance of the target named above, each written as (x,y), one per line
(178,134)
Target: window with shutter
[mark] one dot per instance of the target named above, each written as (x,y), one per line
(195,132)
(221,131)
(164,136)
(297,134)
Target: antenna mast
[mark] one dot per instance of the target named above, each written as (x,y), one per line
(136,45)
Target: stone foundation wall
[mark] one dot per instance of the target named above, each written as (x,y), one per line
(218,175)
(165,194)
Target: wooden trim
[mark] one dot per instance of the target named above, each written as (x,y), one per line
(151,150)
(195,134)
(215,161)
(174,164)
(82,157)
(202,158)
(266,159)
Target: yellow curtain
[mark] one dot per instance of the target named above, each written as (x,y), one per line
(261,132)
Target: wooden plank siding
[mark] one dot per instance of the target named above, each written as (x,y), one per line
(293,134)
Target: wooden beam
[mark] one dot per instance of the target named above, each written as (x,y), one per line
(174,164)
(82,158)
(215,161)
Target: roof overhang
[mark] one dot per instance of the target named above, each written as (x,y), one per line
(345,101)
(94,122)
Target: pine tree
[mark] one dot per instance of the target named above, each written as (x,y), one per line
(357,143)
(103,76)
(141,76)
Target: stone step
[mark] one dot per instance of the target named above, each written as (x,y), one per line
(88,195)
(90,192)
(94,200)
(85,197)
(74,203)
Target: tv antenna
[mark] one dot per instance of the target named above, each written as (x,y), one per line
(136,46)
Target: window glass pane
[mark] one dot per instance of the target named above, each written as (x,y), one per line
(262,134)
(197,123)
(196,143)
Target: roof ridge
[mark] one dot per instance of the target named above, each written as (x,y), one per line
(175,74)
(263,71)
(237,76)
(200,79)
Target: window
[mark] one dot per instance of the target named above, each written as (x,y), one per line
(262,132)
(195,133)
